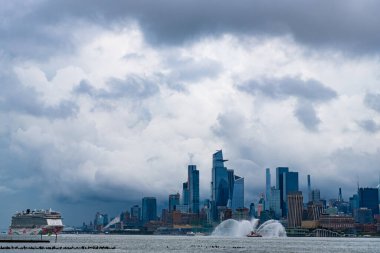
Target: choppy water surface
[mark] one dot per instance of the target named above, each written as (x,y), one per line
(129,243)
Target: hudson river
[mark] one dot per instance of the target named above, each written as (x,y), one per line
(129,243)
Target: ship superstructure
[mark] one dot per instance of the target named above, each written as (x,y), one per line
(33,222)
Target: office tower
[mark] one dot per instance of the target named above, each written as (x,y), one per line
(219,180)
(315,196)
(340,197)
(252,212)
(231,181)
(260,205)
(314,210)
(279,185)
(267,188)
(295,209)
(185,193)
(238,193)
(193,188)
(136,213)
(369,198)
(290,184)
(149,209)
(173,202)
(309,189)
(275,202)
(364,216)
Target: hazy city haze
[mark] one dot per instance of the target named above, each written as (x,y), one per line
(105,102)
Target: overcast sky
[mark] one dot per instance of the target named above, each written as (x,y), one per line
(104,102)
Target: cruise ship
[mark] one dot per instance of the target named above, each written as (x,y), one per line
(36,222)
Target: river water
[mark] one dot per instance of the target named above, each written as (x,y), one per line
(134,243)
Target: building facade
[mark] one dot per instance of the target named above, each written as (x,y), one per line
(219,181)
(149,209)
(295,209)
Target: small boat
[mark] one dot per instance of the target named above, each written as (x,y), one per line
(254,234)
(191,233)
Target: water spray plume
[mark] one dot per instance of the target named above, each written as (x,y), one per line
(234,228)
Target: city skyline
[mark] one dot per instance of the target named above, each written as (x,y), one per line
(102,104)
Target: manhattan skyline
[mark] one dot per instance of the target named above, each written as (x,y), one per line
(104,103)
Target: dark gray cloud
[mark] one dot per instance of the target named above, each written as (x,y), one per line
(369,125)
(186,70)
(25,100)
(372,101)
(311,90)
(132,87)
(347,26)
(307,93)
(307,115)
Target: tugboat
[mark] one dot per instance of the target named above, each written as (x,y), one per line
(254,234)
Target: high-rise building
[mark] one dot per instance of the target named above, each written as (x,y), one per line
(340,196)
(267,189)
(238,193)
(369,198)
(280,171)
(149,209)
(173,202)
(193,188)
(136,213)
(315,196)
(252,211)
(309,193)
(275,202)
(354,205)
(219,181)
(295,209)
(185,193)
(290,184)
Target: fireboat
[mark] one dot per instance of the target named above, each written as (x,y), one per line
(254,234)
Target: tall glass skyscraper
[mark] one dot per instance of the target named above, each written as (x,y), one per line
(149,209)
(280,171)
(290,185)
(185,193)
(267,189)
(173,201)
(237,199)
(193,187)
(369,198)
(219,180)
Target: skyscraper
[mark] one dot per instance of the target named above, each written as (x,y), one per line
(238,193)
(279,185)
(185,193)
(136,213)
(295,209)
(193,188)
(275,202)
(290,184)
(219,180)
(369,198)
(149,209)
(340,196)
(173,201)
(309,189)
(315,196)
(267,189)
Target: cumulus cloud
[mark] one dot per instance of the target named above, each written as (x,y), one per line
(369,125)
(307,115)
(372,100)
(306,92)
(282,88)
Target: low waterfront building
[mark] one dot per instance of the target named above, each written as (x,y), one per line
(337,222)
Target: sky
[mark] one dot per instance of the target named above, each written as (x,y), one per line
(105,102)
